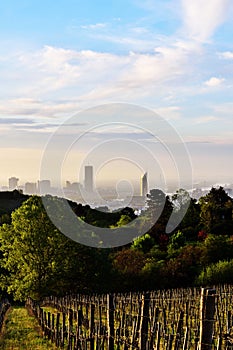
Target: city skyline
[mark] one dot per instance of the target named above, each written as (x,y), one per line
(106,197)
(141,185)
(89,184)
(18,183)
(172,57)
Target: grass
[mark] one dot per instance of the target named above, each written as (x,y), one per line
(21,332)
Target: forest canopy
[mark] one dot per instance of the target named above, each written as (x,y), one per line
(36,259)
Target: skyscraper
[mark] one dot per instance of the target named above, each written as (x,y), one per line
(144,185)
(44,186)
(30,187)
(13,183)
(88,179)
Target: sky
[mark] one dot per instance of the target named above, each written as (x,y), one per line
(60,59)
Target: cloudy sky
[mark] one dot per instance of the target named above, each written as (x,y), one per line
(60,58)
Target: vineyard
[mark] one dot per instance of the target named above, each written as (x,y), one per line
(168,320)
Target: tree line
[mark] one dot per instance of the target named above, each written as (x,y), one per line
(36,259)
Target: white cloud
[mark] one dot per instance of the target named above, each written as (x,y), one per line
(157,8)
(166,64)
(201,18)
(50,70)
(205,119)
(56,74)
(170,112)
(139,30)
(135,39)
(214,82)
(227,55)
(37,108)
(94,26)
(223,139)
(158,67)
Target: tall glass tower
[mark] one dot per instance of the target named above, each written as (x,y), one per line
(144,185)
(88,179)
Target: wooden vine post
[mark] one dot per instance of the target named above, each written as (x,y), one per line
(207,310)
(110,320)
(143,335)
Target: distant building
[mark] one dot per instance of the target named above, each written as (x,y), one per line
(88,178)
(30,188)
(13,183)
(144,185)
(73,187)
(68,185)
(72,191)
(44,186)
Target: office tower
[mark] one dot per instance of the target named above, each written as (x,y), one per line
(144,185)
(30,187)
(88,179)
(13,183)
(73,186)
(44,186)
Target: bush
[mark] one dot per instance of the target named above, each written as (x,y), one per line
(220,272)
(217,248)
(143,243)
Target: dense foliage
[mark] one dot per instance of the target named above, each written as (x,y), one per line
(37,260)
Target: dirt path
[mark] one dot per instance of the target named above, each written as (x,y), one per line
(21,332)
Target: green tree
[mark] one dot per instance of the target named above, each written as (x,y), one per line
(217,248)
(5,219)
(157,214)
(143,243)
(127,266)
(177,241)
(216,212)
(152,274)
(190,224)
(124,220)
(183,269)
(220,272)
(39,260)
(157,254)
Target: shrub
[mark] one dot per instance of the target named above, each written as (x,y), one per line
(220,272)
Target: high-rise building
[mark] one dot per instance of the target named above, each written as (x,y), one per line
(73,186)
(44,186)
(30,187)
(13,183)
(88,178)
(144,185)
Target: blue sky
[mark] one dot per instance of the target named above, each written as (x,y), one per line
(174,57)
